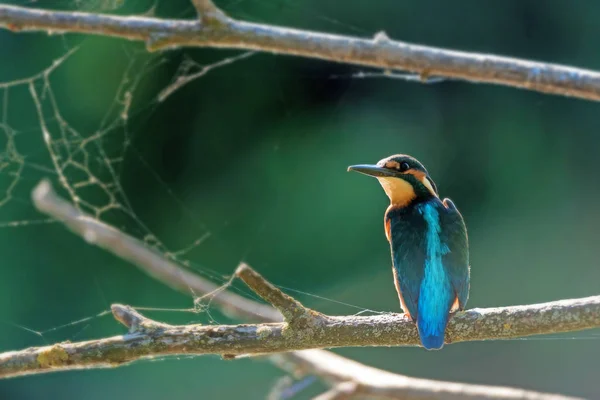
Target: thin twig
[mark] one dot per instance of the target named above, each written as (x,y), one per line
(203,5)
(183,80)
(292,310)
(378,52)
(207,11)
(135,321)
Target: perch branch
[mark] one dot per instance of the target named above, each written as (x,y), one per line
(335,369)
(148,338)
(217,30)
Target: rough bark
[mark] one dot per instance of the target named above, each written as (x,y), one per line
(214,29)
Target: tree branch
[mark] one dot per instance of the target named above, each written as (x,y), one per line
(138,253)
(147,337)
(220,31)
(150,338)
(352,379)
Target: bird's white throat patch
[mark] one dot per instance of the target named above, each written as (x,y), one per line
(398,190)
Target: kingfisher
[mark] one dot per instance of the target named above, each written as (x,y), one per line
(429,246)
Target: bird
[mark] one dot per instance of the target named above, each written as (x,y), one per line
(429,246)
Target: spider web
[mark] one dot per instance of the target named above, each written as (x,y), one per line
(86,163)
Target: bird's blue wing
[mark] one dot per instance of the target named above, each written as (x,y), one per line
(456,260)
(407,243)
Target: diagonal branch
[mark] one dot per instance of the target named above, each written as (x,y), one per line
(143,256)
(220,31)
(293,311)
(147,337)
(352,379)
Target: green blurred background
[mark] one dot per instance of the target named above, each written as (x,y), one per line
(252,157)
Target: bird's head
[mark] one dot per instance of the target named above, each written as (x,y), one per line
(403,178)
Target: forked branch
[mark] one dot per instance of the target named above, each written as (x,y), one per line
(294,313)
(215,29)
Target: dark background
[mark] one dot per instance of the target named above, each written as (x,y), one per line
(253,155)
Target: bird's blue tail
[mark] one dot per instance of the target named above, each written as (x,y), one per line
(432,332)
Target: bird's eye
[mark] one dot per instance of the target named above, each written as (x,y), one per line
(404,166)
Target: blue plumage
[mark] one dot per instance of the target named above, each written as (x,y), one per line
(429,246)
(435,294)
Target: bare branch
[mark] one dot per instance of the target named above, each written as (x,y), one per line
(150,338)
(128,317)
(135,321)
(331,367)
(139,254)
(292,310)
(358,380)
(379,52)
(183,80)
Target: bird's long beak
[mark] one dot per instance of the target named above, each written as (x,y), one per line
(371,170)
